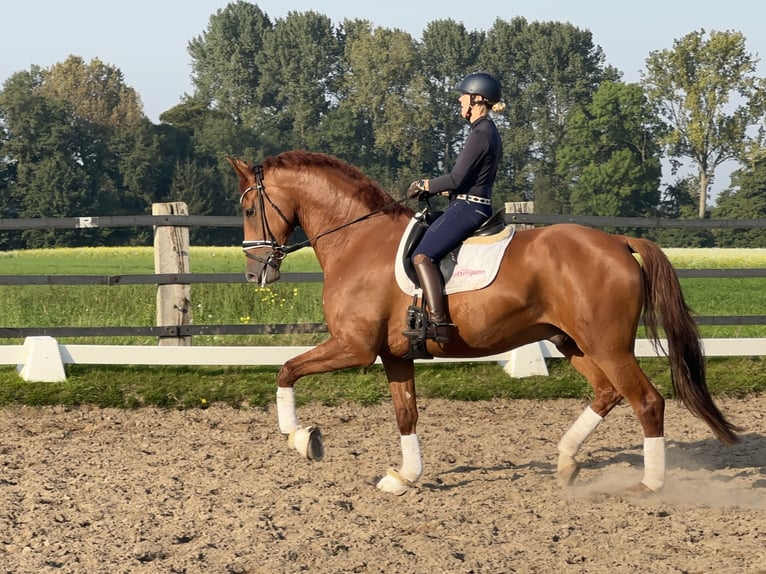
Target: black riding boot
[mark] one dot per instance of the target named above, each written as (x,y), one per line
(431,282)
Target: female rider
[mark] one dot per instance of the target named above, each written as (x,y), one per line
(469,187)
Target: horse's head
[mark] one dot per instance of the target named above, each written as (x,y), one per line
(268,223)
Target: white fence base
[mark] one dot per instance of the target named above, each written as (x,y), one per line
(43,359)
(527,361)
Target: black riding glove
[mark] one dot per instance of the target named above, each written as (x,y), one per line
(417,189)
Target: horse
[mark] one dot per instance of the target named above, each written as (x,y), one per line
(581,288)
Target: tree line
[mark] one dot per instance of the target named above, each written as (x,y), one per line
(74,140)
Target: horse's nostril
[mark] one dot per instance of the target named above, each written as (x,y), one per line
(251,277)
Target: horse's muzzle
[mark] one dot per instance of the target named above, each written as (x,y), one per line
(263,268)
(261,273)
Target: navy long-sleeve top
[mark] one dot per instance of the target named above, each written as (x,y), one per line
(476,164)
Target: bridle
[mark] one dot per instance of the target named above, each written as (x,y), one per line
(279,251)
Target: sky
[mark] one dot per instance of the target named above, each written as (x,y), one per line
(147,39)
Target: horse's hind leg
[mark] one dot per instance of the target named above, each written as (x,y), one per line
(606,397)
(401,380)
(647,403)
(616,375)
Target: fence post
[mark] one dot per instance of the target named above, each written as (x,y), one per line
(520,207)
(171,255)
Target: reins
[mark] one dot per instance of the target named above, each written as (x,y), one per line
(290,248)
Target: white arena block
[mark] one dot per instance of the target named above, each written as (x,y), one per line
(42,361)
(527,361)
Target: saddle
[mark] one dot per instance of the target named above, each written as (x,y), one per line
(423,219)
(416,321)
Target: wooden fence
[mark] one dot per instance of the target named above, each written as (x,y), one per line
(42,358)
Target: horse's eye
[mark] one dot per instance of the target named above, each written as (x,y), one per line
(249,212)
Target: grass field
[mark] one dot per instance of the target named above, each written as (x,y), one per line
(134,305)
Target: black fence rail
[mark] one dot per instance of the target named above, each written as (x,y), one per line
(304,277)
(120,221)
(150,279)
(170,331)
(642,222)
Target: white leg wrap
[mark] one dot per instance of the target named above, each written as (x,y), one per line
(654,463)
(288,419)
(412,463)
(573,439)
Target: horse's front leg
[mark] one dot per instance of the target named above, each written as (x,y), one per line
(332,355)
(401,380)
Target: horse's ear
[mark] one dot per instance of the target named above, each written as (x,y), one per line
(239,166)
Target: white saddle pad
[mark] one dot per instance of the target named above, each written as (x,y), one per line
(477,263)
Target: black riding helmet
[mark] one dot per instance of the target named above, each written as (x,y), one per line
(481,84)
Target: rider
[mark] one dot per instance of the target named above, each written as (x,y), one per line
(469,187)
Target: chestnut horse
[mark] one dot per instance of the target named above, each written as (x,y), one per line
(579,287)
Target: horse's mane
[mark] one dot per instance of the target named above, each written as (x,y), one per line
(367,190)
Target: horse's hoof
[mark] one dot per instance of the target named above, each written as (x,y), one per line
(638,490)
(394,483)
(567,471)
(308,442)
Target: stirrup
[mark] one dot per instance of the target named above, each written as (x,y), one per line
(420,326)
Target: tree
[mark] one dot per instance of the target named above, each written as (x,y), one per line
(74,158)
(53,156)
(515,173)
(202,188)
(746,199)
(8,203)
(610,154)
(94,93)
(678,201)
(225,72)
(546,70)
(379,86)
(706,90)
(198,140)
(448,54)
(201,176)
(298,67)
(140,167)
(123,156)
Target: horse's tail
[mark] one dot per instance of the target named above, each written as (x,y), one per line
(664,306)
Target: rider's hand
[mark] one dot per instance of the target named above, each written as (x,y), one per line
(417,189)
